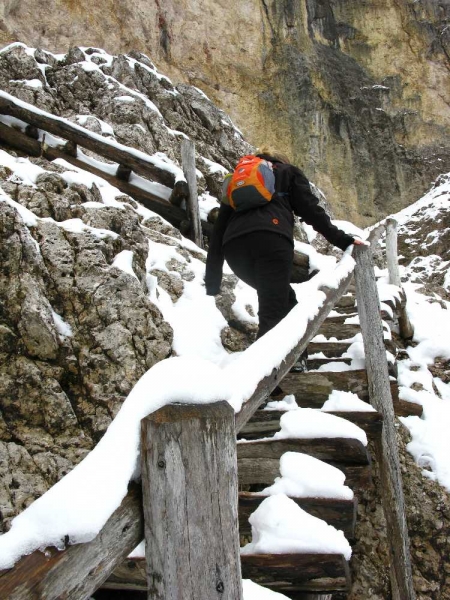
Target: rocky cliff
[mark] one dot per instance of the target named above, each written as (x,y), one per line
(357,92)
(80,272)
(77,330)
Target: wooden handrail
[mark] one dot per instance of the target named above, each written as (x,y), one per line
(33,147)
(135,160)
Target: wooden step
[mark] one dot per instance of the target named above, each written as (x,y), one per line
(339,330)
(259,461)
(338,348)
(348,314)
(330,349)
(403,408)
(286,573)
(264,423)
(339,513)
(312,389)
(279,572)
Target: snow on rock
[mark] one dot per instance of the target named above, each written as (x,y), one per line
(280,526)
(303,476)
(124,262)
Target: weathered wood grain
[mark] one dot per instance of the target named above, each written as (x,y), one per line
(330,349)
(339,513)
(338,330)
(189,169)
(288,573)
(265,470)
(381,399)
(345,450)
(80,569)
(189,482)
(298,572)
(403,408)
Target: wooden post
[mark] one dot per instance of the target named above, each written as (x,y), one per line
(188,163)
(189,483)
(381,399)
(405,326)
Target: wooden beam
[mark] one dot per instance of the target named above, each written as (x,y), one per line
(138,161)
(259,461)
(78,571)
(386,447)
(188,454)
(287,573)
(189,169)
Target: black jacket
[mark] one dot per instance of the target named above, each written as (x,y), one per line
(292,195)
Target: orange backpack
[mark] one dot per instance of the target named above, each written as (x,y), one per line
(252,184)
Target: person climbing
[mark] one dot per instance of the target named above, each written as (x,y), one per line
(258,241)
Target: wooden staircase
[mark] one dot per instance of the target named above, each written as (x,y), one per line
(300,576)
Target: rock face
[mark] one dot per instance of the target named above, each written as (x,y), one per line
(77,330)
(356,92)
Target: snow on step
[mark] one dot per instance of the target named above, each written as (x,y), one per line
(306,423)
(280,526)
(339,513)
(303,476)
(346,402)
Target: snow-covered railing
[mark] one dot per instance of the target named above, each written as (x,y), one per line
(161,188)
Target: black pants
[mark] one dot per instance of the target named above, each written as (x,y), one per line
(264,261)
